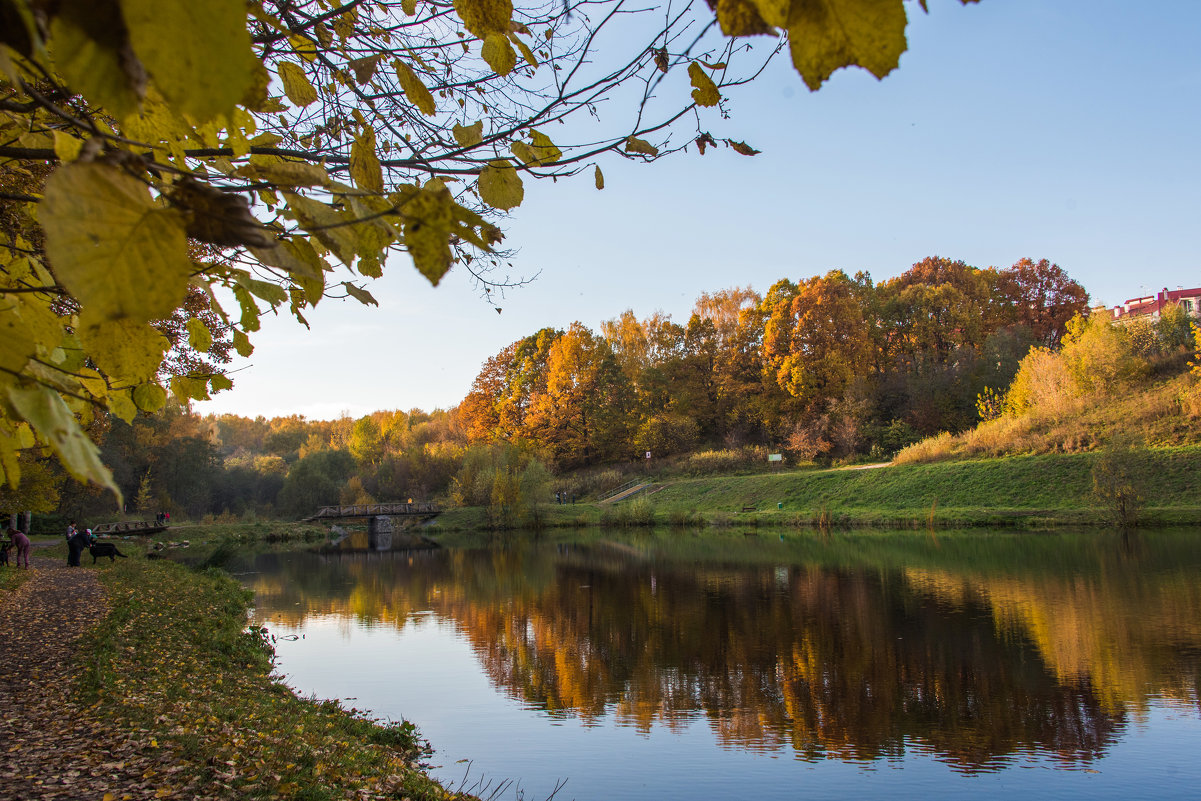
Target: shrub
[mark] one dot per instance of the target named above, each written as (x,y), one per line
(665,434)
(931,449)
(685,518)
(725,460)
(1119,476)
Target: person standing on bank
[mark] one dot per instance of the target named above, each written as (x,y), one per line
(21,543)
(75,544)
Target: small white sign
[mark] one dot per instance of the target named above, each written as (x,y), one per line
(648,454)
(775,457)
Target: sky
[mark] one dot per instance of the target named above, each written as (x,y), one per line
(1061,129)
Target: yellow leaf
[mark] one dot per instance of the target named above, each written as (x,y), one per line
(199,336)
(705,93)
(484,17)
(296,84)
(600,178)
(93,382)
(414,89)
(469,135)
(25,323)
(304,47)
(45,410)
(825,36)
(66,147)
(149,396)
(196,389)
(126,351)
(498,53)
(500,185)
(242,343)
(325,223)
(741,18)
(118,252)
(526,53)
(271,292)
(542,151)
(198,54)
(120,404)
(361,295)
(365,168)
(523,152)
(636,145)
(91,54)
(219,382)
(250,309)
(409,7)
(428,215)
(779,13)
(287,173)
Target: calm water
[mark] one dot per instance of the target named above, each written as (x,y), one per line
(684,666)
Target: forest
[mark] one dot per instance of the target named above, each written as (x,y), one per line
(833,368)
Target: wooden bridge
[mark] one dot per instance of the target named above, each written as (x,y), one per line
(128,527)
(422,510)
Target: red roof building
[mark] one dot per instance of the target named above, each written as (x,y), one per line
(1152,305)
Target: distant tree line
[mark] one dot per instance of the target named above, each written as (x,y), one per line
(826,367)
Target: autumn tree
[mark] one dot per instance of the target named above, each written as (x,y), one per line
(1042,297)
(827,342)
(583,414)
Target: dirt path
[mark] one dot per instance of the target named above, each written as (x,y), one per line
(51,748)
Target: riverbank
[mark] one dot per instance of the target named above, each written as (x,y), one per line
(178,698)
(1039,491)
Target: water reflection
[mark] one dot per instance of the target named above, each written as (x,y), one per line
(975,650)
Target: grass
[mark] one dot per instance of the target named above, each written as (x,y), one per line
(1043,488)
(175,661)
(10,577)
(1033,491)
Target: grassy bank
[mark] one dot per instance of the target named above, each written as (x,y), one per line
(1028,491)
(173,661)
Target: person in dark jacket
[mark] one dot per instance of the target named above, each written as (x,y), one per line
(76,542)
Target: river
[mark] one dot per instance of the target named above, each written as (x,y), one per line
(715,665)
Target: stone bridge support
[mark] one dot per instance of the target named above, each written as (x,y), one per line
(379,533)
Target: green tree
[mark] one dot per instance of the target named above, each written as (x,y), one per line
(316,480)
(367,441)
(1174,328)
(144,501)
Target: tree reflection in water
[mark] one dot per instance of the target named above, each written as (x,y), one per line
(973,650)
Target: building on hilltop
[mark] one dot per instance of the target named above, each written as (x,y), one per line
(1152,305)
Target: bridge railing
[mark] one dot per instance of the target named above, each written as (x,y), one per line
(375,509)
(615,492)
(130,526)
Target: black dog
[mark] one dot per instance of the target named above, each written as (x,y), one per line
(108,549)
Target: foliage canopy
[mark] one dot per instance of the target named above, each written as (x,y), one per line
(243,157)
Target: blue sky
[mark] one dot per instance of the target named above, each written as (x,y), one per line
(1058,129)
